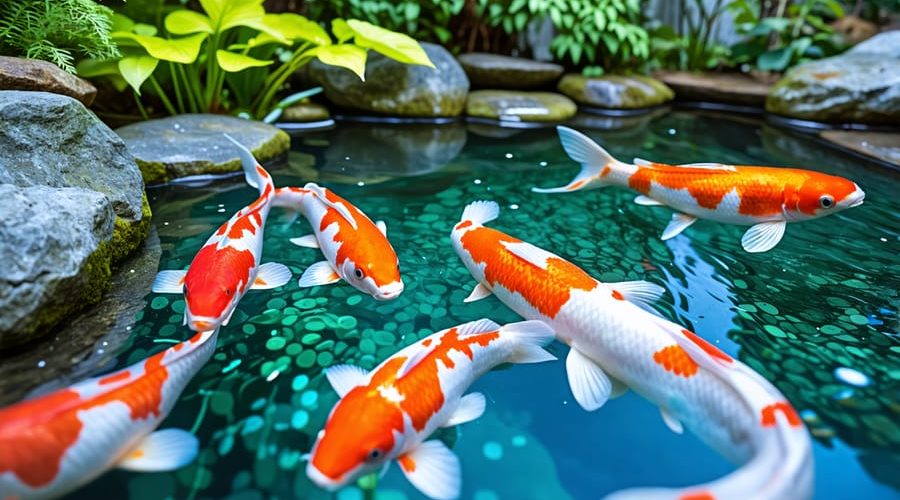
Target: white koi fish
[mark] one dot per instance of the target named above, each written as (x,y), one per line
(228,264)
(617,344)
(388,413)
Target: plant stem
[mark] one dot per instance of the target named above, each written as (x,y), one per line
(298,60)
(137,100)
(162,95)
(193,100)
(176,86)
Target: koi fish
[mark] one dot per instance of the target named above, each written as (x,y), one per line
(408,397)
(764,198)
(617,344)
(228,263)
(58,442)
(356,249)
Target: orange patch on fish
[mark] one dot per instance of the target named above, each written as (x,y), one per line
(211,272)
(617,295)
(769,413)
(576,185)
(464,224)
(674,359)
(710,349)
(547,290)
(697,495)
(407,463)
(115,377)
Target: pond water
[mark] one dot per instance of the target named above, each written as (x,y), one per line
(823,301)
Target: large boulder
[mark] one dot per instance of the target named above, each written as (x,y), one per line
(396,89)
(31,74)
(520,106)
(505,72)
(859,86)
(616,91)
(53,140)
(184,145)
(730,88)
(55,246)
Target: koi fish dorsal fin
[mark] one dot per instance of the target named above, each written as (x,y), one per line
(340,208)
(529,253)
(343,378)
(475,327)
(708,166)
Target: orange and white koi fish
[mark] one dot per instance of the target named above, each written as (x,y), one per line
(765,198)
(356,249)
(617,344)
(228,264)
(389,413)
(56,443)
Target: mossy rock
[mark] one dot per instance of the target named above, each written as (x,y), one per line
(128,235)
(616,91)
(305,112)
(520,106)
(504,72)
(194,144)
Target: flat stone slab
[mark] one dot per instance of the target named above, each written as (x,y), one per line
(615,91)
(17,73)
(305,112)
(520,106)
(729,88)
(505,72)
(194,144)
(884,146)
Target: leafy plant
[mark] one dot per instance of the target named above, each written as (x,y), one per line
(223,59)
(689,45)
(59,31)
(796,33)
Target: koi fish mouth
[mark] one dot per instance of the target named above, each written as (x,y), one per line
(856,199)
(390,292)
(321,480)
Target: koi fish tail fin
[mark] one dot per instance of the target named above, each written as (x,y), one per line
(596,162)
(529,339)
(255,175)
(480,212)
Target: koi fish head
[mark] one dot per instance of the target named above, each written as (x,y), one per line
(349,446)
(822,194)
(381,279)
(214,284)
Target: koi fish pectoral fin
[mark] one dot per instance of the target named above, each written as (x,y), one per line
(381,227)
(343,378)
(271,275)
(308,241)
(647,201)
(320,273)
(763,237)
(164,450)
(590,385)
(479,292)
(679,223)
(469,407)
(433,469)
(168,282)
(671,422)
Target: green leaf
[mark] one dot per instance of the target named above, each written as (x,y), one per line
(144,29)
(136,69)
(119,22)
(92,68)
(179,50)
(296,27)
(185,22)
(346,56)
(774,60)
(225,14)
(232,63)
(397,46)
(341,30)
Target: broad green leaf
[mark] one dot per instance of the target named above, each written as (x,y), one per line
(185,22)
(774,60)
(232,63)
(297,27)
(341,30)
(91,68)
(179,50)
(397,46)
(120,22)
(144,29)
(136,69)
(226,14)
(345,56)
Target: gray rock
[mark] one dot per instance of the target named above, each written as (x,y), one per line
(31,74)
(860,87)
(53,140)
(520,106)
(505,72)
(183,145)
(397,89)
(55,245)
(732,88)
(305,112)
(616,91)
(887,43)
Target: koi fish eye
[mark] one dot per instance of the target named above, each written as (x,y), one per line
(359,273)
(373,455)
(229,292)
(826,201)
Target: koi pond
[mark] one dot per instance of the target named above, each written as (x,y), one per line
(817,315)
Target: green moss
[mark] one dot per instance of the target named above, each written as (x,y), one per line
(128,235)
(153,172)
(616,91)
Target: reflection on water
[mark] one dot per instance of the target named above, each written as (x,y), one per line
(817,315)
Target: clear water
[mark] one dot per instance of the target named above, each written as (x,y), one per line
(825,298)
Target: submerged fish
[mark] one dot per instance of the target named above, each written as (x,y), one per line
(765,198)
(617,344)
(228,264)
(388,413)
(55,443)
(355,248)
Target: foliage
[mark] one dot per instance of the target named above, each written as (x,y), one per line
(797,34)
(690,45)
(224,59)
(58,31)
